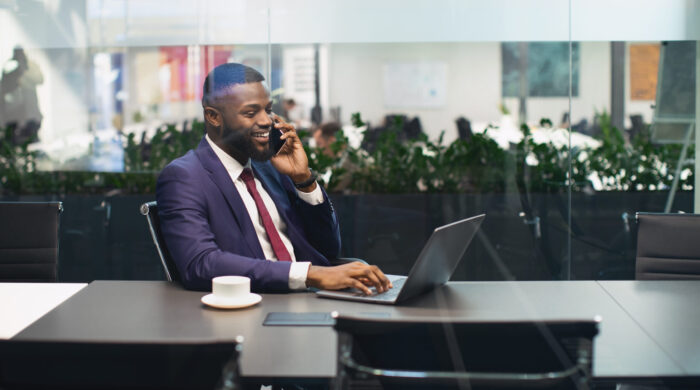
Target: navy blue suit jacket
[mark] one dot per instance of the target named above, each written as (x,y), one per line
(209,233)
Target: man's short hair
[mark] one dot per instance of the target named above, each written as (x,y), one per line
(329,129)
(225,76)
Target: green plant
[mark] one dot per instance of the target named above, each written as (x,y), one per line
(421,165)
(17,164)
(167,144)
(394,165)
(638,165)
(544,167)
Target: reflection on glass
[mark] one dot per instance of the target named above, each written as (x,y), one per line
(643,160)
(476,115)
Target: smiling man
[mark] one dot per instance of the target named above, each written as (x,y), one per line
(234,207)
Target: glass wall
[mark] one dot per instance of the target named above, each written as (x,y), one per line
(558,119)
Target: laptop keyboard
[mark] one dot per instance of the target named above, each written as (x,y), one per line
(391,294)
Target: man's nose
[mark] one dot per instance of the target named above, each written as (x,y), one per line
(265,120)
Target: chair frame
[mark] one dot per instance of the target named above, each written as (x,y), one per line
(146,210)
(348,367)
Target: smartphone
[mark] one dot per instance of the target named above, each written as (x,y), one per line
(275,142)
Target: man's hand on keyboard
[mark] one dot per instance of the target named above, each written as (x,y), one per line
(358,275)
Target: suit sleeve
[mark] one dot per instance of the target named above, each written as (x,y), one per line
(320,224)
(183,212)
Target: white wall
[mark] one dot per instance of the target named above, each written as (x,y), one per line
(474,75)
(474,83)
(186,22)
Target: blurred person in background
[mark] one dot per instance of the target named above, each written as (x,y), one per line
(293,112)
(325,136)
(19,105)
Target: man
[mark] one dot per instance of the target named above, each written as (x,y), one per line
(324,137)
(19,105)
(223,214)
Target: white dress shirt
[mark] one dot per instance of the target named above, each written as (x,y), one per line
(298,270)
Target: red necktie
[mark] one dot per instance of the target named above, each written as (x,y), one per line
(277,244)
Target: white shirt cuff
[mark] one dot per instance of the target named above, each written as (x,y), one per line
(297,275)
(314,197)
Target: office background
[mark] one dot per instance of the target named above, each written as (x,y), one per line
(110,93)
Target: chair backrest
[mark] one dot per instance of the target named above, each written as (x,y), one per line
(464,128)
(668,246)
(29,241)
(447,353)
(119,365)
(150,211)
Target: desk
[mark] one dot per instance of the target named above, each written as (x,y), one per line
(139,311)
(23,303)
(668,311)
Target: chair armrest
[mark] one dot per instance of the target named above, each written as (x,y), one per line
(345,260)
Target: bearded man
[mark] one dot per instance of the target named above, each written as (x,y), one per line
(233,206)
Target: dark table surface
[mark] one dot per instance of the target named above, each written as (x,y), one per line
(627,347)
(668,311)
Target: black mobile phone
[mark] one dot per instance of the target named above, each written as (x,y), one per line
(275,142)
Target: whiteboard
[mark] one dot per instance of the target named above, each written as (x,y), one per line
(415,84)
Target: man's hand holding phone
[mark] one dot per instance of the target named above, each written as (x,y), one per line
(290,158)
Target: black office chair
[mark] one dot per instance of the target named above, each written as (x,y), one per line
(29,241)
(119,365)
(435,353)
(668,246)
(464,128)
(150,211)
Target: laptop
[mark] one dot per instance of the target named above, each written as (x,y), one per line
(435,265)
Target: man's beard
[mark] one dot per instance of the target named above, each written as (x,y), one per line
(242,141)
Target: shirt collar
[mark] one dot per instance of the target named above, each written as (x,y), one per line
(232,166)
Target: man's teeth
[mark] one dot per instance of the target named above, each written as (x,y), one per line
(261,135)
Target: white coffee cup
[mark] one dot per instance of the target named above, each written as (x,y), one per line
(230,288)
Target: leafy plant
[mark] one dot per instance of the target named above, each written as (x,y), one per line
(394,165)
(166,144)
(544,167)
(638,165)
(17,164)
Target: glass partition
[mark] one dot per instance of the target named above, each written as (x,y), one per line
(643,121)
(558,119)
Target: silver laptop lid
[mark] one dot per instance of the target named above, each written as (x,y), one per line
(440,256)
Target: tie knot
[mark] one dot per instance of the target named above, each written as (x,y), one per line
(247,175)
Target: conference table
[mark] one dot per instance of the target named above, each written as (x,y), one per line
(649,329)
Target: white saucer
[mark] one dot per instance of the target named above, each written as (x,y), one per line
(249,300)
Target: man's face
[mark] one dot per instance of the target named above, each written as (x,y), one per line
(246,121)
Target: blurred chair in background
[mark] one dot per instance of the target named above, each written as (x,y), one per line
(29,241)
(464,128)
(638,126)
(668,246)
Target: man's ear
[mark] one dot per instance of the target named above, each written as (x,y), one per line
(212,116)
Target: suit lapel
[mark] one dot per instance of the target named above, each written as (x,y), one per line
(222,179)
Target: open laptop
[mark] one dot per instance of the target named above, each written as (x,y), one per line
(434,267)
